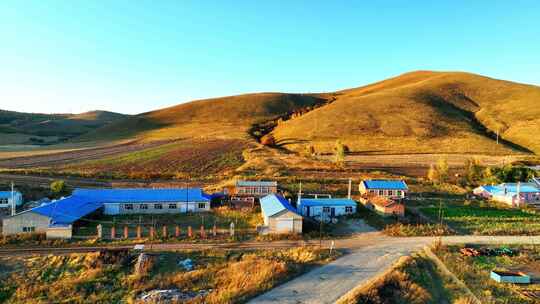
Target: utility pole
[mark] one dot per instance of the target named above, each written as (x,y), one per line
(350,186)
(12,199)
(497,136)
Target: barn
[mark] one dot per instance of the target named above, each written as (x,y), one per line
(279,216)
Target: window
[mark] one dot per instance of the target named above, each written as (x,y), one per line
(143,206)
(372,191)
(158,206)
(128,206)
(172,206)
(326,209)
(202,206)
(381,192)
(390,192)
(29,229)
(399,193)
(3,201)
(348,209)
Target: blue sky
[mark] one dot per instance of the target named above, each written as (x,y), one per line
(136,56)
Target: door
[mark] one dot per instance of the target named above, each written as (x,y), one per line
(333,212)
(284,225)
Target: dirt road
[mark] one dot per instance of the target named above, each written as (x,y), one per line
(371,255)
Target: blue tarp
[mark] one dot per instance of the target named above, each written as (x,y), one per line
(275,203)
(385,184)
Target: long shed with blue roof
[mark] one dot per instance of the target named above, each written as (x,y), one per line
(326,208)
(57,217)
(279,215)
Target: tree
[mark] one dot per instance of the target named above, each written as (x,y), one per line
(438,173)
(473,171)
(442,170)
(58,187)
(339,153)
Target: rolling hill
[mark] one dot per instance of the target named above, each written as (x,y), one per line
(226,117)
(35,128)
(423,112)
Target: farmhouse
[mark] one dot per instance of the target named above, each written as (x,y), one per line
(7,198)
(57,218)
(394,189)
(383,205)
(326,208)
(513,194)
(245,193)
(279,216)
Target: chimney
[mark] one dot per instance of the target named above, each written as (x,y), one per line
(350,188)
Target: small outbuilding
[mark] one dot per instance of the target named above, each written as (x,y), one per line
(279,215)
(515,277)
(8,199)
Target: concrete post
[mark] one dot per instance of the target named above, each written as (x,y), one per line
(231,229)
(99,231)
(113,232)
(214,230)
(152,232)
(139,232)
(164,229)
(177,231)
(189,232)
(203,234)
(126,232)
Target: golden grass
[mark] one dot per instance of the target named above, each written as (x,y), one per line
(423,112)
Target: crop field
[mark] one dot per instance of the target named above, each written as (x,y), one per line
(475,271)
(216,277)
(483,218)
(47,157)
(181,159)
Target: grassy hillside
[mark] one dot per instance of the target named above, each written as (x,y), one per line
(30,128)
(225,117)
(423,112)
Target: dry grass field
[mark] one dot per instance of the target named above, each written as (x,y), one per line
(423,112)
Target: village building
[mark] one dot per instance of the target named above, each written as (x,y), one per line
(394,189)
(326,208)
(8,199)
(513,194)
(279,216)
(385,197)
(384,206)
(57,218)
(247,193)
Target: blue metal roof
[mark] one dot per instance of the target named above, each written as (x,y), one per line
(85,201)
(275,203)
(385,184)
(7,194)
(511,188)
(326,202)
(142,195)
(67,210)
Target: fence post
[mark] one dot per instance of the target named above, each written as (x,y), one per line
(152,232)
(203,234)
(189,231)
(164,229)
(99,228)
(214,230)
(177,231)
(139,232)
(113,232)
(231,229)
(126,232)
